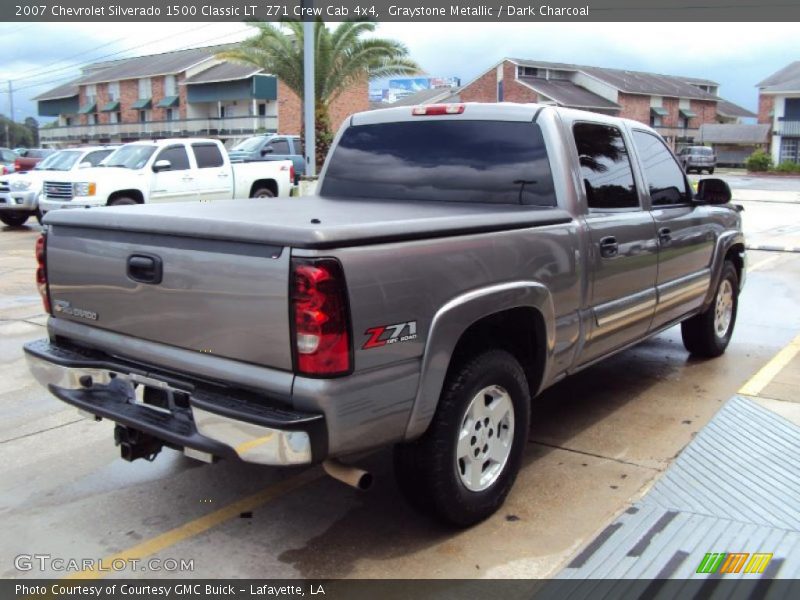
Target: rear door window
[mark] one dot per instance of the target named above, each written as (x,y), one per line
(207,156)
(438,160)
(605,167)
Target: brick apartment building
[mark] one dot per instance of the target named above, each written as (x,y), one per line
(779,107)
(181,93)
(675,106)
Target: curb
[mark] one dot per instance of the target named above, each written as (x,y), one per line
(770,248)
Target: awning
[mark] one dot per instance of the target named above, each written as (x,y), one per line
(168,102)
(143,103)
(110,106)
(87,108)
(685,112)
(659,111)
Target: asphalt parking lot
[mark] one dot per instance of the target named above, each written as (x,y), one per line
(599,440)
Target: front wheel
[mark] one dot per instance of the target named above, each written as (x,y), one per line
(14,219)
(709,333)
(463,467)
(122,201)
(711,171)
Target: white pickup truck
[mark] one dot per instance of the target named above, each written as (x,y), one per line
(169,170)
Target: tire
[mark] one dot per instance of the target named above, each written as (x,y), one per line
(429,471)
(122,201)
(39,216)
(708,334)
(14,219)
(711,171)
(263,192)
(686,169)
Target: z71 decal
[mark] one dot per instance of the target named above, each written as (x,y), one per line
(390,334)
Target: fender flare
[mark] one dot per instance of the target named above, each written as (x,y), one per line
(449,324)
(724,243)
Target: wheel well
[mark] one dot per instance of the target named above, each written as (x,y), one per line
(270,184)
(132,194)
(520,331)
(734,254)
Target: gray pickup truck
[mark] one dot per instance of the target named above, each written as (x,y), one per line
(458,260)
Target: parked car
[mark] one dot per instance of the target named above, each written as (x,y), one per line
(698,158)
(458,260)
(7,158)
(166,171)
(19,192)
(30,157)
(272,147)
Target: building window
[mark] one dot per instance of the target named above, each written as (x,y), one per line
(170,86)
(529,72)
(683,122)
(145,88)
(113,117)
(168,114)
(119,117)
(91,119)
(113,91)
(91,93)
(655,120)
(790,149)
(143,116)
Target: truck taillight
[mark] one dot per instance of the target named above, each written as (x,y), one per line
(320,317)
(438,109)
(291,175)
(41,271)
(17,165)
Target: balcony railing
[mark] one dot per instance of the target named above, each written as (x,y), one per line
(788,127)
(229,126)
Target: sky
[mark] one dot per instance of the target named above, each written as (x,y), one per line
(39,56)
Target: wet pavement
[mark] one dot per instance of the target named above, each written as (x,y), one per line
(599,440)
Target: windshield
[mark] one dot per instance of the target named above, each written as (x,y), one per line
(249,145)
(132,156)
(498,162)
(702,151)
(63,160)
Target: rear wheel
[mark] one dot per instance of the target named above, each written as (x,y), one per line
(122,201)
(463,467)
(711,171)
(14,219)
(263,192)
(709,333)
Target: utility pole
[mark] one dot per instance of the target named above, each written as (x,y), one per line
(308,92)
(11,101)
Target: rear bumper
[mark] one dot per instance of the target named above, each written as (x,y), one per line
(18,201)
(46,204)
(216,421)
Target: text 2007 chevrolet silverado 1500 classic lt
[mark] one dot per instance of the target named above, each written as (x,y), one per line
(458,260)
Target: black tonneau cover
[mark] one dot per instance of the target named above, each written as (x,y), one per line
(312,221)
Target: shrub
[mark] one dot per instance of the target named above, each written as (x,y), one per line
(758,161)
(788,166)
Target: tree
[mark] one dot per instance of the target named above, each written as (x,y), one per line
(342,58)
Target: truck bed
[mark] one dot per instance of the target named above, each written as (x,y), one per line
(312,221)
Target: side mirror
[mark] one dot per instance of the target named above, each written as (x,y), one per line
(267,150)
(85,165)
(161,165)
(713,191)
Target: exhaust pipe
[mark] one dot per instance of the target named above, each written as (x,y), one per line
(352,476)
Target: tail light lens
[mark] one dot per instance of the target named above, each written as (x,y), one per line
(41,271)
(438,109)
(17,165)
(291,174)
(320,317)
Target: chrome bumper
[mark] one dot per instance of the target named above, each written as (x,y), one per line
(108,392)
(23,201)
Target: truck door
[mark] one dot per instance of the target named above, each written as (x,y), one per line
(214,180)
(685,232)
(622,258)
(174,182)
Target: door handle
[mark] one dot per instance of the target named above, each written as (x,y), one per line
(223,175)
(609,247)
(145,268)
(665,235)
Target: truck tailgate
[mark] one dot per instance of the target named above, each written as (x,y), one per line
(221,297)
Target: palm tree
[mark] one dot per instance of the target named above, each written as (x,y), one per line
(342,58)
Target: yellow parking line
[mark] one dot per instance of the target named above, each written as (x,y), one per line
(202,524)
(769,371)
